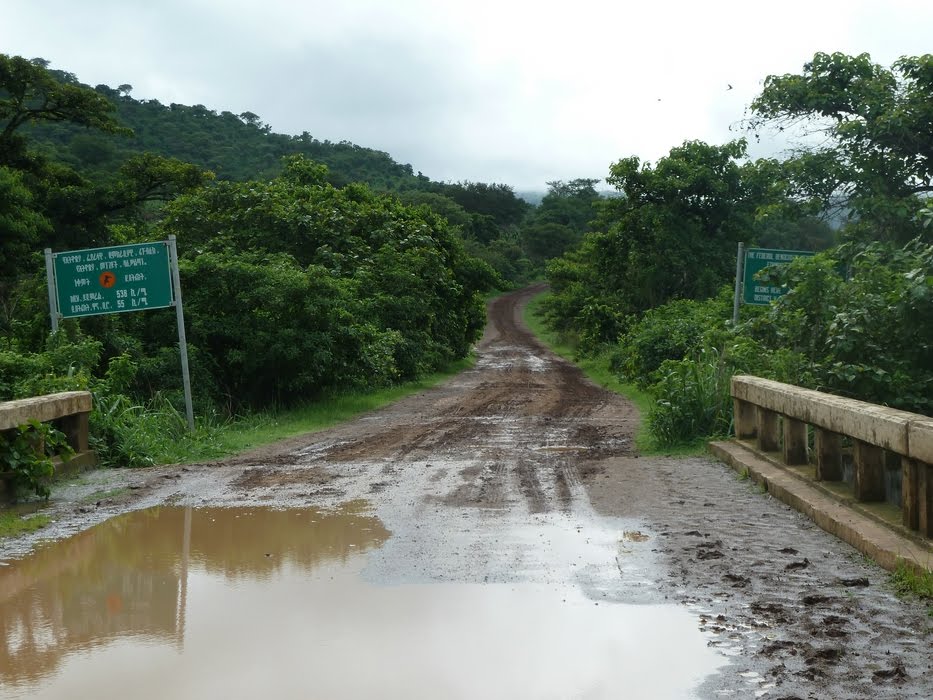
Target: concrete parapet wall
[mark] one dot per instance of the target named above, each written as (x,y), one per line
(43,408)
(877,425)
(70,411)
(920,441)
(776,416)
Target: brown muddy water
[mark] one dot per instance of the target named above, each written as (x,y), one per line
(246,602)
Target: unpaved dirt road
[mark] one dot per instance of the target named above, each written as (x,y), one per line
(520,470)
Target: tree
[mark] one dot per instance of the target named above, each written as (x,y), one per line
(30,93)
(21,228)
(879,128)
(673,233)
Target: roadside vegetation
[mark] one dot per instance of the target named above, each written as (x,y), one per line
(12,523)
(648,293)
(909,582)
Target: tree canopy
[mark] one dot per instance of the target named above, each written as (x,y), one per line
(878,123)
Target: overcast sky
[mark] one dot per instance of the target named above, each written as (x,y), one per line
(484,90)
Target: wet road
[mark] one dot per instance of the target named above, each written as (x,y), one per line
(502,539)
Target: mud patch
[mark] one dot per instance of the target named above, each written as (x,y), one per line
(269,477)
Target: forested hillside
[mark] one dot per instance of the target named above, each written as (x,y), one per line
(650,289)
(496,225)
(233,147)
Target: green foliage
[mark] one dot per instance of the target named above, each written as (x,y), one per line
(561,219)
(295,286)
(128,434)
(26,456)
(64,365)
(909,582)
(29,94)
(877,121)
(866,335)
(669,332)
(693,399)
(20,225)
(671,234)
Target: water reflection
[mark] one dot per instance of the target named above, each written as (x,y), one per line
(129,577)
(230,603)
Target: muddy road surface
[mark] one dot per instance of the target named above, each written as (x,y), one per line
(509,503)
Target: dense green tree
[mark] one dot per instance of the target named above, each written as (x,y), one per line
(410,294)
(30,93)
(560,220)
(878,154)
(674,230)
(495,200)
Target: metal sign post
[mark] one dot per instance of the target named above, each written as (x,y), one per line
(182,341)
(119,279)
(50,276)
(737,298)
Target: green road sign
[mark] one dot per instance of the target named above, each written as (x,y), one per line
(113,280)
(756,260)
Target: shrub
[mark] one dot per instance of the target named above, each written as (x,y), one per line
(26,453)
(669,332)
(693,399)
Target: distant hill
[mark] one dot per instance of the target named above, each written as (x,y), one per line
(234,147)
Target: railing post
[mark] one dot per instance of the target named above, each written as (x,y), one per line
(75,427)
(795,441)
(868,482)
(828,448)
(745,419)
(768,430)
(925,499)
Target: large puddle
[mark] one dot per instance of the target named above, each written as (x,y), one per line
(244,603)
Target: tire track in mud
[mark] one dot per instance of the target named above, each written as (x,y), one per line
(523,418)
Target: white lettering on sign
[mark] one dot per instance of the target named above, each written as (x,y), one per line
(135,277)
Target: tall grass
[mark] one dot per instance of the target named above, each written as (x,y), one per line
(693,399)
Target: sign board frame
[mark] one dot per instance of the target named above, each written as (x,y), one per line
(115,279)
(120,279)
(757,259)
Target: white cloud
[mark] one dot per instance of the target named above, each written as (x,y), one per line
(491,90)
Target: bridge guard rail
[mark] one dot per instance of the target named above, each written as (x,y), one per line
(68,411)
(776,417)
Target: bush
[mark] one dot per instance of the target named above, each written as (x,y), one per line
(26,453)
(669,332)
(693,399)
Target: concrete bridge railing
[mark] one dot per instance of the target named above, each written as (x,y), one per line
(68,411)
(776,416)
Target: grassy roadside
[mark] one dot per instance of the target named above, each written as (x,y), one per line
(596,368)
(910,583)
(12,523)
